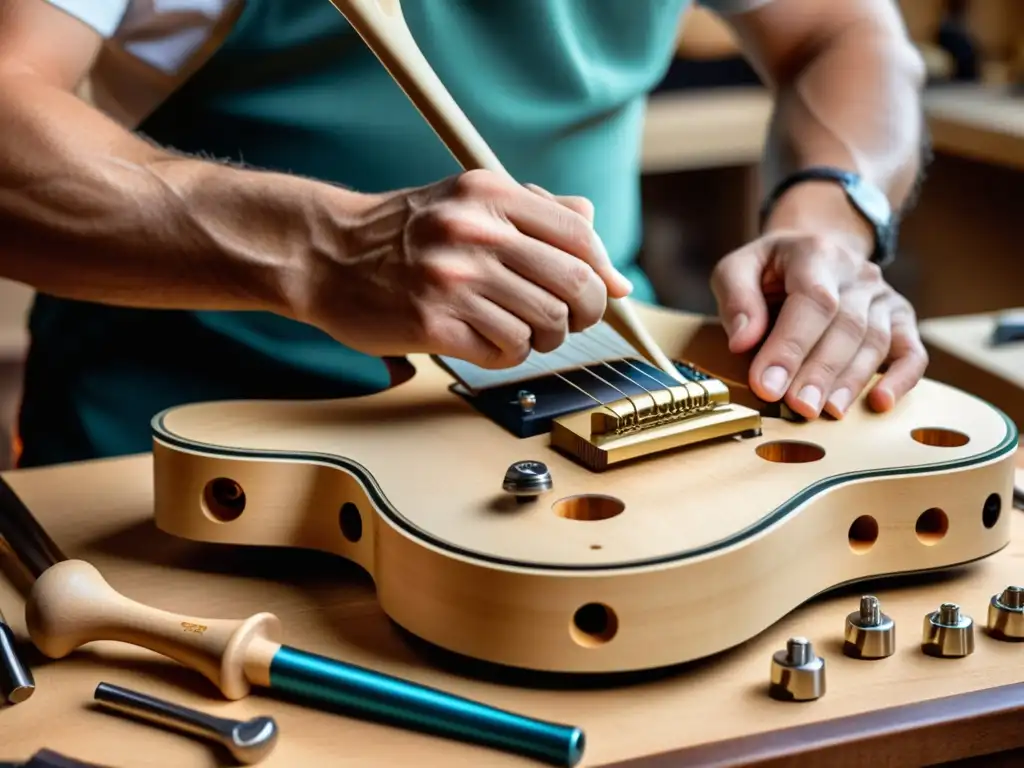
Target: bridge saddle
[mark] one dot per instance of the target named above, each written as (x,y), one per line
(657,421)
(601,405)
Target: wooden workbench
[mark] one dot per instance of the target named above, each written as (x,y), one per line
(100,511)
(962,354)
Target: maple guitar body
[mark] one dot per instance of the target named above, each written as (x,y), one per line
(652,562)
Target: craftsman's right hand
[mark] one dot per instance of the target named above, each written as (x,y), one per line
(474,267)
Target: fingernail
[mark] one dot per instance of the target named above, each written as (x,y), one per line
(775,379)
(737,324)
(840,400)
(810,396)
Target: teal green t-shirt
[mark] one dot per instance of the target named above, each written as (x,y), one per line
(556,87)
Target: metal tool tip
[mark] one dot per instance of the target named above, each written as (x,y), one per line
(254,739)
(16,681)
(20,693)
(577,746)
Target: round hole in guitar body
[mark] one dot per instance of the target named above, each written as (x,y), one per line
(593,624)
(991,511)
(350,522)
(588,507)
(931,526)
(790,452)
(223,500)
(937,437)
(863,534)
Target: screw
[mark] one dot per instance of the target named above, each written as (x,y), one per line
(949,614)
(869,634)
(798,651)
(1006,614)
(870,611)
(797,673)
(527,400)
(948,632)
(1013,597)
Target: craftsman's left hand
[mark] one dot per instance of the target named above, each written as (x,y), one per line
(839,322)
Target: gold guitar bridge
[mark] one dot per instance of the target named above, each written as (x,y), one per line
(657,421)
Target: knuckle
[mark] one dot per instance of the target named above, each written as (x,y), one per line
(576,233)
(818,243)
(582,205)
(516,348)
(825,370)
(813,245)
(449,225)
(556,315)
(826,299)
(851,322)
(791,350)
(477,183)
(871,272)
(446,275)
(579,278)
(878,336)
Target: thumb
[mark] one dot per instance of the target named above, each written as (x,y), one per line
(736,284)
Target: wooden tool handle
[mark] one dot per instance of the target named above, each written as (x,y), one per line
(381,25)
(71,604)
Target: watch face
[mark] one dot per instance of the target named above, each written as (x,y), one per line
(872,201)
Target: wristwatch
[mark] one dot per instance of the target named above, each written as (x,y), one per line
(868,200)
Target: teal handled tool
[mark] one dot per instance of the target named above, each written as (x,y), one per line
(72,604)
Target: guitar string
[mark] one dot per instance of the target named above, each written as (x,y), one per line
(551,370)
(669,387)
(575,342)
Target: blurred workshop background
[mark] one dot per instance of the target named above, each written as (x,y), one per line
(960,249)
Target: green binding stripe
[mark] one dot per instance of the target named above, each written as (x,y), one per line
(1006,446)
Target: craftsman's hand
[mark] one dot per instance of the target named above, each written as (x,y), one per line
(475,267)
(838,322)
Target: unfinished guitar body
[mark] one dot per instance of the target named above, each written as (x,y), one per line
(688,542)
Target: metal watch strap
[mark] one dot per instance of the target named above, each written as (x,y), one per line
(823,173)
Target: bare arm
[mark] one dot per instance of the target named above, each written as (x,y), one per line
(475,266)
(91,211)
(847,80)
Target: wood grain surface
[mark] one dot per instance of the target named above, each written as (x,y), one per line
(102,512)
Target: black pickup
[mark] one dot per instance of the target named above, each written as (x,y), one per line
(555,395)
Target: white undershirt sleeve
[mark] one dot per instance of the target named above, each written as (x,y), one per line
(102,15)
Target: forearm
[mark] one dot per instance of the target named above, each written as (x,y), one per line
(90,211)
(855,105)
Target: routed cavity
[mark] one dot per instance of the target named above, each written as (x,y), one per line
(223,500)
(588,507)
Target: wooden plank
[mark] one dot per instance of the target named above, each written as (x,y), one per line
(908,736)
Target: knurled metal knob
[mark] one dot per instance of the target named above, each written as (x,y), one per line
(527,479)
(797,673)
(948,633)
(1006,614)
(870,634)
